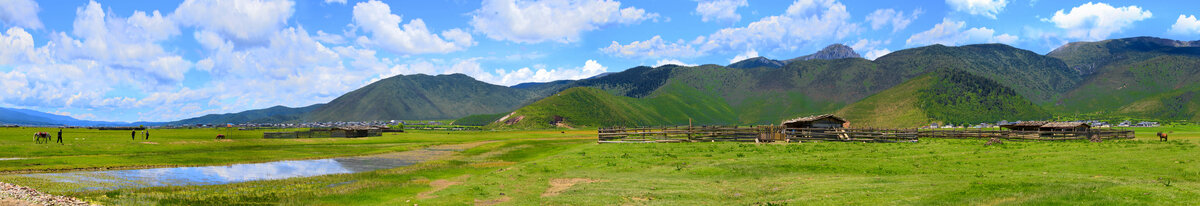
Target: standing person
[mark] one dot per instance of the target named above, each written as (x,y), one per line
(59,135)
(147,132)
(133,135)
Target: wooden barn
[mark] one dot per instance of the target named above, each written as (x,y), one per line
(1025,126)
(1066,126)
(815,121)
(1047,126)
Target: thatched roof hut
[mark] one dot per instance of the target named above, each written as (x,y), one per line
(1065,126)
(815,121)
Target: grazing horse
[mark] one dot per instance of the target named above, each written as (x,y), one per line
(41,137)
(220,136)
(1162,136)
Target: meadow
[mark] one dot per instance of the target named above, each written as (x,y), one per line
(569,168)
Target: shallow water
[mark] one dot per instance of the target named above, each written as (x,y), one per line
(212,175)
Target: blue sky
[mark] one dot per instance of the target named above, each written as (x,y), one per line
(166,60)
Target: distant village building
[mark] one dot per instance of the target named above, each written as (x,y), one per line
(1147,124)
(816,121)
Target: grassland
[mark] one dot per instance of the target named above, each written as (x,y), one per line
(568,168)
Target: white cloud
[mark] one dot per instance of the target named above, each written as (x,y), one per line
(720,10)
(590,68)
(653,48)
(1096,21)
(952,33)
(22,13)
(876,53)
(561,21)
(19,48)
(897,19)
(413,38)
(335,1)
(662,62)
(126,48)
(240,21)
(743,56)
(329,38)
(1185,25)
(807,23)
(871,47)
(988,8)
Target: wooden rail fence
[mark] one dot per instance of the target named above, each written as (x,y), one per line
(771,133)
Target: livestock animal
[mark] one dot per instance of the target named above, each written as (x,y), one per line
(1162,136)
(41,137)
(220,136)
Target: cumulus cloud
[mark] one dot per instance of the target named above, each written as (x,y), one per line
(19,48)
(413,38)
(720,10)
(335,1)
(897,19)
(126,47)
(988,8)
(564,21)
(743,56)
(241,21)
(590,68)
(653,48)
(662,62)
(953,33)
(1096,21)
(804,24)
(22,13)
(1185,25)
(871,47)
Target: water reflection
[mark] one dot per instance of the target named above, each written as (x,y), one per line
(212,175)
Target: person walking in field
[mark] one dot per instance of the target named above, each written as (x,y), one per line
(60,136)
(147,133)
(133,135)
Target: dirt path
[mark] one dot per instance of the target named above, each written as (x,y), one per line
(11,194)
(559,185)
(439,185)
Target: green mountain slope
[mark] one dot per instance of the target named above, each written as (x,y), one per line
(422,96)
(1137,77)
(947,96)
(274,114)
(767,95)
(585,106)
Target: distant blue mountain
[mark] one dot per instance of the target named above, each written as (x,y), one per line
(36,118)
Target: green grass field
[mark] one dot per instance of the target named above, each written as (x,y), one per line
(569,168)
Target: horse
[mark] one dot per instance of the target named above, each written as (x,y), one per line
(41,137)
(220,136)
(1162,137)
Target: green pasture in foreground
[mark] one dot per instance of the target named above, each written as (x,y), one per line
(553,168)
(87,148)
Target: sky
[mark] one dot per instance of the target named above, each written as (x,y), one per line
(165,60)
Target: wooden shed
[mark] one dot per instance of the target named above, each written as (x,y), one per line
(1025,126)
(1066,126)
(815,121)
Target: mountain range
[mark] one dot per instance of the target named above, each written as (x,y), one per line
(1141,77)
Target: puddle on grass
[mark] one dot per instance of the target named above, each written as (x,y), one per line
(213,175)
(12,158)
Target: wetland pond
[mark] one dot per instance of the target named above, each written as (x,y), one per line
(213,175)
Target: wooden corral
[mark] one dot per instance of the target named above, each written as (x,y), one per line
(352,132)
(773,133)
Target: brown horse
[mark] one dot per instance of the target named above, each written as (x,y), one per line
(1162,136)
(41,137)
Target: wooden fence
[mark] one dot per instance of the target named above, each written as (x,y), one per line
(773,133)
